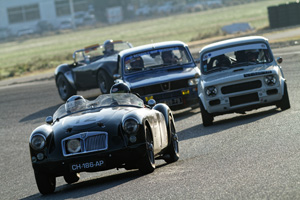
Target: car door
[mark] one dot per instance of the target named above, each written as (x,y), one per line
(84,75)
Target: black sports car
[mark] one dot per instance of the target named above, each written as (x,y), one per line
(112,131)
(93,67)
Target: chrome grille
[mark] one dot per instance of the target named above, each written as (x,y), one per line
(241,87)
(96,142)
(90,142)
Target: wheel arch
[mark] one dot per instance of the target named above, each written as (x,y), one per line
(165,110)
(66,71)
(201,98)
(168,115)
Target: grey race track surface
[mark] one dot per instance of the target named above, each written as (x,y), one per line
(252,156)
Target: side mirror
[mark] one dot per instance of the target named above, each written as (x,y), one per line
(116,76)
(279,60)
(151,103)
(49,120)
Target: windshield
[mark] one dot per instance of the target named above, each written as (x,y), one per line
(235,56)
(157,58)
(105,100)
(94,52)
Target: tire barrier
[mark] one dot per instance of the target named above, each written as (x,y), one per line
(284,15)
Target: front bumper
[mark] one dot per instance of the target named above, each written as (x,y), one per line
(182,97)
(243,101)
(96,161)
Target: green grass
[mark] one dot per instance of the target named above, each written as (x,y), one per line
(36,53)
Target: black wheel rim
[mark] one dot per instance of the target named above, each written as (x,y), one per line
(101,83)
(149,147)
(62,86)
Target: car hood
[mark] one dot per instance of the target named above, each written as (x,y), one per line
(160,75)
(106,119)
(238,73)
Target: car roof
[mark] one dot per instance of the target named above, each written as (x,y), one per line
(152,46)
(235,41)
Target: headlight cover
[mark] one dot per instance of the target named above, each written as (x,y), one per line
(131,126)
(38,142)
(73,145)
(270,80)
(193,81)
(211,91)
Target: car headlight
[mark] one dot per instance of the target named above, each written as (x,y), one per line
(193,81)
(38,141)
(131,126)
(211,91)
(270,80)
(73,145)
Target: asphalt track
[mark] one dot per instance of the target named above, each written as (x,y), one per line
(252,156)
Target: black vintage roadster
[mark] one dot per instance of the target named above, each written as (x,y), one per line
(112,131)
(92,68)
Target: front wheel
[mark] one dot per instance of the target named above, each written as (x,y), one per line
(65,90)
(284,103)
(45,182)
(207,118)
(173,148)
(147,163)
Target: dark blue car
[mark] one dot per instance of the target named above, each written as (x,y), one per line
(162,71)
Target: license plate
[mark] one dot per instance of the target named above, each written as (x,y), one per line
(173,101)
(87,165)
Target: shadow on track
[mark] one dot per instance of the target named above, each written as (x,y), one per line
(220,125)
(46,112)
(41,114)
(91,186)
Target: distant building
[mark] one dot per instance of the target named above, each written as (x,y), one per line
(25,17)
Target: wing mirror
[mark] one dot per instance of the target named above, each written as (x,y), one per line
(279,60)
(49,120)
(116,76)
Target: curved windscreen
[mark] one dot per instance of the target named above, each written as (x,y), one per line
(235,56)
(105,100)
(157,58)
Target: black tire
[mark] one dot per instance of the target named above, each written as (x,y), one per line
(104,82)
(173,148)
(45,182)
(72,178)
(284,103)
(147,163)
(64,88)
(207,118)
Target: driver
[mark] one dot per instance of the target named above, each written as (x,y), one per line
(120,88)
(75,103)
(137,63)
(168,57)
(108,47)
(252,55)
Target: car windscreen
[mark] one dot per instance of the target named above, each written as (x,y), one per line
(96,51)
(235,56)
(157,58)
(105,100)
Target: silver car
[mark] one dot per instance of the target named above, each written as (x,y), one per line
(239,75)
